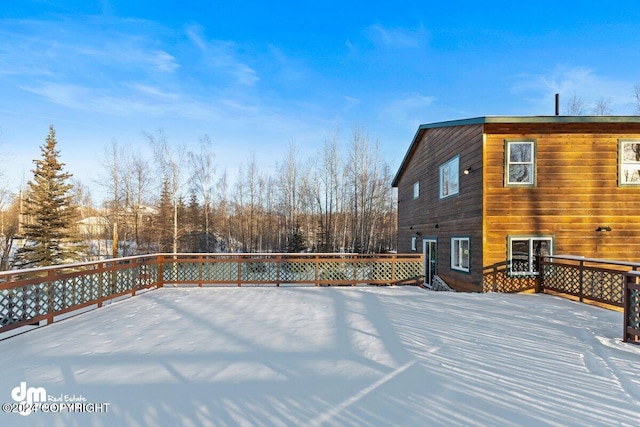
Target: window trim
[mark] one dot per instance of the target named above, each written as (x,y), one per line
(416,190)
(456,174)
(531,238)
(456,263)
(507,162)
(621,162)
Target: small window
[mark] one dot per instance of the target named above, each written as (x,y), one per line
(520,163)
(460,253)
(629,165)
(413,243)
(416,189)
(523,253)
(449,178)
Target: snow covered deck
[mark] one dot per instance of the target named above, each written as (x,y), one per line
(314,356)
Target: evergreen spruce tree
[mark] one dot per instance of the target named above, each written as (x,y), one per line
(49,231)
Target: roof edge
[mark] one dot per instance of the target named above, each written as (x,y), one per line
(508,119)
(533,119)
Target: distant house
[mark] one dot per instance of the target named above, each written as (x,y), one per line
(94,227)
(485,191)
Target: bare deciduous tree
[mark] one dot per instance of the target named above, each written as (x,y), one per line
(575,106)
(602,107)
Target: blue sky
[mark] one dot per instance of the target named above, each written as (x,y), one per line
(257,77)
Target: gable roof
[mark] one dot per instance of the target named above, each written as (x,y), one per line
(504,119)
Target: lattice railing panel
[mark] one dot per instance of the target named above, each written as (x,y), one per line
(407,270)
(634,308)
(225,272)
(296,272)
(603,285)
(186,272)
(332,271)
(23,303)
(502,281)
(259,271)
(146,275)
(562,278)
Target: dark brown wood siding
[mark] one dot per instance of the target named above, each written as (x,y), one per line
(456,216)
(576,191)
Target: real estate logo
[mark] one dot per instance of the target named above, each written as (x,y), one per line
(28,397)
(35,399)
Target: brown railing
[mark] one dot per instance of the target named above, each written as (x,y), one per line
(631,303)
(28,297)
(593,279)
(498,278)
(604,281)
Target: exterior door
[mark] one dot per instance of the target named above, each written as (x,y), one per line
(429,255)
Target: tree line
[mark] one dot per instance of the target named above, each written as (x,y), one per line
(176,200)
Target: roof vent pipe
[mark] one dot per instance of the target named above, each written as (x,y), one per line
(557,104)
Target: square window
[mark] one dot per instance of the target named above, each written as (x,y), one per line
(520,163)
(460,254)
(629,165)
(524,251)
(449,177)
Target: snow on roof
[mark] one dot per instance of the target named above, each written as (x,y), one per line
(363,356)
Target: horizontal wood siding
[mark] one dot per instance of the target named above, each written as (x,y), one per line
(576,191)
(457,216)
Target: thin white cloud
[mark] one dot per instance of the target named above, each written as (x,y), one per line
(408,110)
(396,38)
(222,56)
(570,81)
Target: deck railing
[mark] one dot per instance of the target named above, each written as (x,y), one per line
(32,296)
(610,282)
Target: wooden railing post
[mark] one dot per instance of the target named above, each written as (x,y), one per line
(539,287)
(581,269)
(160,261)
(239,262)
(50,296)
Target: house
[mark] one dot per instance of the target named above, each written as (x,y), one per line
(484,192)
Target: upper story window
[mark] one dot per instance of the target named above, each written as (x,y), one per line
(449,177)
(629,164)
(416,189)
(520,163)
(523,252)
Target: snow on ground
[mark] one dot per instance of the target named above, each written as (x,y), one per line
(365,356)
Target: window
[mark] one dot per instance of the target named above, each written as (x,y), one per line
(460,253)
(523,252)
(416,189)
(520,166)
(449,174)
(413,243)
(629,165)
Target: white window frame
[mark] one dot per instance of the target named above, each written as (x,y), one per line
(450,177)
(509,163)
(530,262)
(414,240)
(628,167)
(461,252)
(416,189)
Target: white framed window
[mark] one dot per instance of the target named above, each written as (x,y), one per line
(416,189)
(629,163)
(460,253)
(520,162)
(523,251)
(450,177)
(413,243)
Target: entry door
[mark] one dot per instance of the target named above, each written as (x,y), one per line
(429,252)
